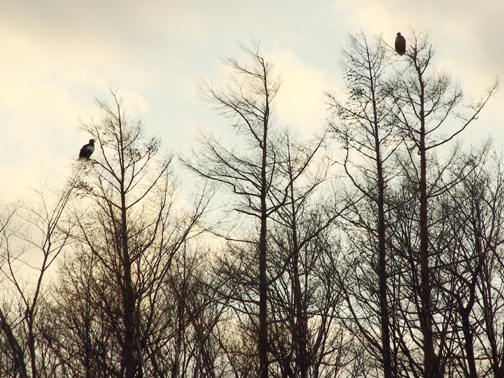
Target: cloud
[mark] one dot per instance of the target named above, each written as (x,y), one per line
(301,99)
(58,56)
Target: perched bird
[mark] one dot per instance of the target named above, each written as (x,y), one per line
(400,44)
(87,150)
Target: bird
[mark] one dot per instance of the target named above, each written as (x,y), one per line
(86,150)
(400,44)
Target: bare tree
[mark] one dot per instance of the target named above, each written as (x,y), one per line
(426,100)
(390,126)
(303,295)
(473,213)
(477,206)
(249,168)
(32,238)
(363,126)
(129,232)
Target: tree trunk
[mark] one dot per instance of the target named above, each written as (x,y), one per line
(431,364)
(263,284)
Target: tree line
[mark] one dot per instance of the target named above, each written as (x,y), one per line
(371,249)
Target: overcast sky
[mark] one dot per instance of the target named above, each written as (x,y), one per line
(58,56)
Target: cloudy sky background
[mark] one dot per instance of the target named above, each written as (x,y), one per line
(58,56)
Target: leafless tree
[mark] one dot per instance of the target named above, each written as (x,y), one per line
(130,229)
(426,101)
(478,222)
(303,295)
(32,237)
(362,124)
(249,168)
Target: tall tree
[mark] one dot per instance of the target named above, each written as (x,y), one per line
(362,124)
(249,168)
(426,101)
(131,228)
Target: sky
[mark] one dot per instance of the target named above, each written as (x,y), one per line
(58,56)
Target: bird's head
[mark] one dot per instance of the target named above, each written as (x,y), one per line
(398,34)
(91,141)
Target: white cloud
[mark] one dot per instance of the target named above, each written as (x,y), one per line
(58,56)
(300,103)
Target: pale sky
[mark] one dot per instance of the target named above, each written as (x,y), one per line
(57,56)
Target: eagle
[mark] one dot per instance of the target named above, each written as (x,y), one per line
(400,44)
(87,150)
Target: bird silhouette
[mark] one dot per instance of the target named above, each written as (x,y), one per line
(400,44)
(86,150)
